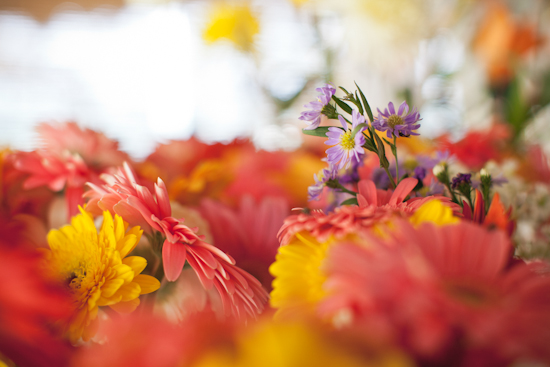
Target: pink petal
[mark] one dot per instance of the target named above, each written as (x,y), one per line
(216,251)
(74,199)
(129,173)
(402,190)
(367,189)
(108,201)
(143,209)
(173,258)
(130,215)
(147,198)
(162,199)
(206,282)
(467,211)
(479,208)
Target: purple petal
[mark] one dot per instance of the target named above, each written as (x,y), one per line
(391,108)
(343,122)
(402,108)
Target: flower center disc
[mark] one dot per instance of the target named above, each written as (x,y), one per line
(394,120)
(347,142)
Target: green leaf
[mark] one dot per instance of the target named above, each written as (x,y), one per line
(381,152)
(365,103)
(320,131)
(342,105)
(369,146)
(350,201)
(358,104)
(357,129)
(345,91)
(516,108)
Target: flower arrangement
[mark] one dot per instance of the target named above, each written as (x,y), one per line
(195,257)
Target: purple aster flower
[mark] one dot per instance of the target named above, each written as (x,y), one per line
(440,156)
(419,173)
(461,179)
(401,123)
(351,175)
(313,117)
(324,175)
(346,144)
(435,188)
(495,181)
(381,179)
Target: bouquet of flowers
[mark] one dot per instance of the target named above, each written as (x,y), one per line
(193,257)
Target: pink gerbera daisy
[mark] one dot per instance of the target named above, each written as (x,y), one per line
(375,207)
(240,292)
(439,290)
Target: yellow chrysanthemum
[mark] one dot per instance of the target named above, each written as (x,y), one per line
(237,23)
(298,283)
(95,267)
(436,212)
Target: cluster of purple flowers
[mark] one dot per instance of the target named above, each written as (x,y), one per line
(313,117)
(348,143)
(461,179)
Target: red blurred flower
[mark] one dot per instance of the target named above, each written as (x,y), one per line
(30,306)
(143,340)
(497,215)
(69,157)
(98,151)
(478,147)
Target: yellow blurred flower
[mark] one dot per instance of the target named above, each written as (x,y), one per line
(95,268)
(208,178)
(234,22)
(434,211)
(299,2)
(295,345)
(299,175)
(298,283)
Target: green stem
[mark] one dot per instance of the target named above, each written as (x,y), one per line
(454,199)
(343,189)
(469,197)
(392,182)
(394,151)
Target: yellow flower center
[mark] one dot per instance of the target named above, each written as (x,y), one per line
(347,142)
(395,120)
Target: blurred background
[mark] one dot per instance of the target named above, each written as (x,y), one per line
(148,71)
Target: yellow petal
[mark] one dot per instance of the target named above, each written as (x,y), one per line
(124,272)
(129,291)
(108,230)
(147,283)
(137,263)
(126,307)
(90,330)
(104,301)
(110,287)
(434,211)
(127,244)
(119,228)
